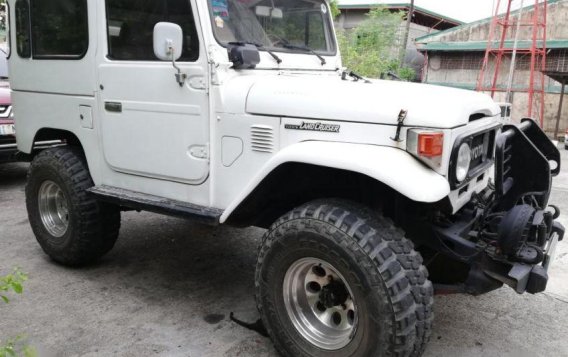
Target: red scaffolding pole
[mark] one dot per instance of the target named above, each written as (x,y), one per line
(502,44)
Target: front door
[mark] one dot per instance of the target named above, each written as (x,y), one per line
(152,126)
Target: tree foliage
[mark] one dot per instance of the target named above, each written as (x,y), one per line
(334,9)
(370,49)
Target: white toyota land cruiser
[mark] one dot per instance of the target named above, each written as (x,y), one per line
(375,194)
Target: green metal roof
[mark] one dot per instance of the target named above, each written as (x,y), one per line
(482,45)
(478,22)
(365,5)
(553,89)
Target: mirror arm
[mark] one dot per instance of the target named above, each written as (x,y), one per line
(180,76)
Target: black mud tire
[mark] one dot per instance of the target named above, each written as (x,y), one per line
(93,225)
(380,264)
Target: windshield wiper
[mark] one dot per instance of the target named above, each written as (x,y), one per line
(306,49)
(259,46)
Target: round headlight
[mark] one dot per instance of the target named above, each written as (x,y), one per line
(464,159)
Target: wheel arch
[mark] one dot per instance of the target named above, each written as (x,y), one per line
(47,137)
(50,134)
(312,170)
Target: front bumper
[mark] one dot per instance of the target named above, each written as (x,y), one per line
(508,233)
(523,277)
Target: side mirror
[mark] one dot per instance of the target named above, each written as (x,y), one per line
(168,46)
(168,41)
(244,56)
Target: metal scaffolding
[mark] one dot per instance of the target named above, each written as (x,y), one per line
(502,45)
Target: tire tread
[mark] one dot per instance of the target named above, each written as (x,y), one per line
(395,262)
(99,223)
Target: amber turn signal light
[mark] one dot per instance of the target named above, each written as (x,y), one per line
(430,144)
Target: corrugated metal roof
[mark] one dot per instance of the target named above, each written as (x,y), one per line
(369,4)
(554,89)
(475,23)
(482,45)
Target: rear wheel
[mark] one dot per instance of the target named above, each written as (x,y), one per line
(334,279)
(72,227)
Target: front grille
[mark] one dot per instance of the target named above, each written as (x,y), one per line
(482,146)
(5,110)
(480,150)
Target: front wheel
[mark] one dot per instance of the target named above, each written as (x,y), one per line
(333,279)
(71,227)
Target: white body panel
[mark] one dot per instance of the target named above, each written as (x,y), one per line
(376,102)
(71,76)
(154,128)
(374,161)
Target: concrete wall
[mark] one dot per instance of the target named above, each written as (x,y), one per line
(439,71)
(464,68)
(479,31)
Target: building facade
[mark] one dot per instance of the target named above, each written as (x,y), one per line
(455,57)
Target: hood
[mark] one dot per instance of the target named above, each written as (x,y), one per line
(379,102)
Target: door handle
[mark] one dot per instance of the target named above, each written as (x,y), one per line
(114,107)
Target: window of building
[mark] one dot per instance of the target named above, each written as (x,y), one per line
(59,28)
(131,28)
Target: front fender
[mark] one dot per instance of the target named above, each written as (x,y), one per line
(391,166)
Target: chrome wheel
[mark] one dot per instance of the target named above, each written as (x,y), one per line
(320,303)
(53,208)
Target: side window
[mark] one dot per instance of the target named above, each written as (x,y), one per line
(131,28)
(23,42)
(59,28)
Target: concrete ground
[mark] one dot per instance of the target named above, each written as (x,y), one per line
(168,287)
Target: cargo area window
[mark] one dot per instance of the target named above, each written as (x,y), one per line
(130,26)
(23,38)
(59,28)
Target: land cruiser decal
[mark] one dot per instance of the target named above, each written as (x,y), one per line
(330,128)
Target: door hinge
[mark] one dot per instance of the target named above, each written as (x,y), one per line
(199,152)
(198,82)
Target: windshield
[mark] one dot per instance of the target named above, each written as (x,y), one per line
(276,25)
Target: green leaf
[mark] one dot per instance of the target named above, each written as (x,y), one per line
(30,351)
(18,289)
(6,300)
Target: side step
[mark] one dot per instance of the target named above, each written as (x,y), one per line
(145,202)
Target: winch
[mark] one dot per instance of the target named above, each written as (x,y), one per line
(523,233)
